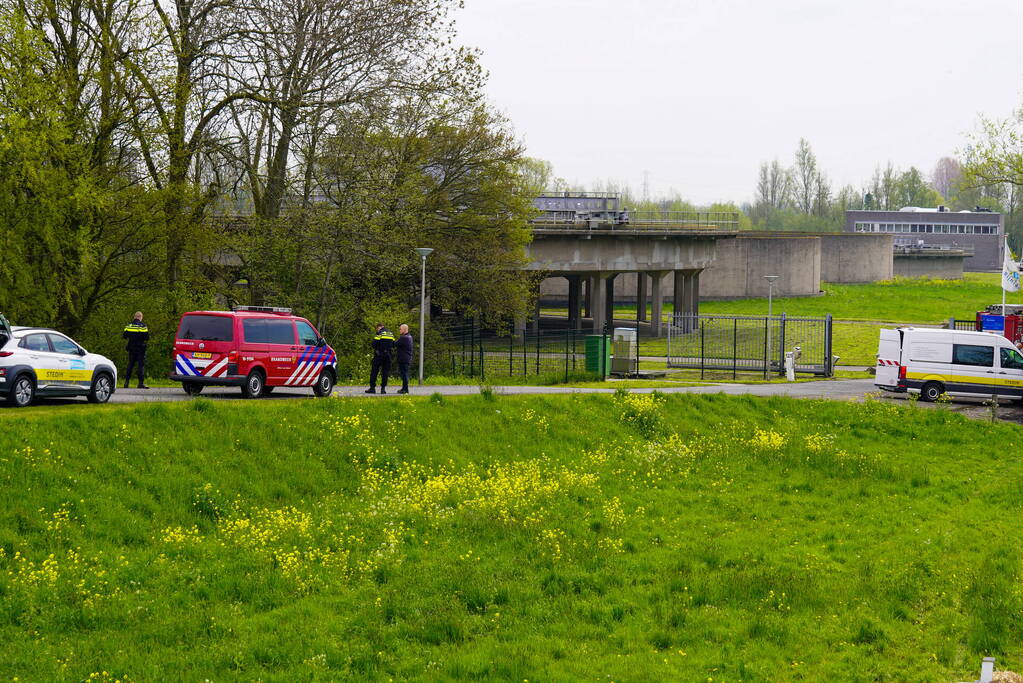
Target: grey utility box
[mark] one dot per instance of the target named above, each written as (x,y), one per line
(626,351)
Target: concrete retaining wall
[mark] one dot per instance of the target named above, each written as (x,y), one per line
(740,266)
(856,258)
(937,266)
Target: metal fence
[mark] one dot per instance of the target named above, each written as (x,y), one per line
(557,354)
(750,343)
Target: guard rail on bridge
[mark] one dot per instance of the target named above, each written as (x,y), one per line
(639,220)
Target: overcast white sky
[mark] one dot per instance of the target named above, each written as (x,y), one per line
(697,93)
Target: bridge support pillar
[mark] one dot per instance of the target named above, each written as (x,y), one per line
(587,294)
(610,300)
(535,325)
(693,292)
(656,301)
(640,296)
(575,285)
(678,300)
(598,301)
(687,297)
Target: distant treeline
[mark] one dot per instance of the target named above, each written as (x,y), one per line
(800,197)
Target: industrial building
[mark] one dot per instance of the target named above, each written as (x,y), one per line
(979,233)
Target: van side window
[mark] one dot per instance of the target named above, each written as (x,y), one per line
(968,354)
(1011,359)
(280,332)
(254,331)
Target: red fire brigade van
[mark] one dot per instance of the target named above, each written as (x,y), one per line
(256,348)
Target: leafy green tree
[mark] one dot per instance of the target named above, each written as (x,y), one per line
(76,233)
(453,180)
(912,190)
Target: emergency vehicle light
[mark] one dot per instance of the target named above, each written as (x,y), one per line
(262,309)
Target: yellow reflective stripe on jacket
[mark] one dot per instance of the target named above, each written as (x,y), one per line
(389,337)
(136,328)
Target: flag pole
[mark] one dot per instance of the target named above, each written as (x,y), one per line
(1005,257)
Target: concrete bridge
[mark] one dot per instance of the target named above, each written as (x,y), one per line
(593,255)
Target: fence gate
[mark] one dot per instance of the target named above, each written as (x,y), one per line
(749,343)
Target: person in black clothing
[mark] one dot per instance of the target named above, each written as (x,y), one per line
(137,335)
(404,356)
(383,343)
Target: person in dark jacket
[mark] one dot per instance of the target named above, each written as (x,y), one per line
(404,356)
(383,344)
(137,335)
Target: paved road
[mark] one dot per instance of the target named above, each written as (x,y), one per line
(835,389)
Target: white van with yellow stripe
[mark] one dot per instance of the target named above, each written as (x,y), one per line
(933,362)
(38,362)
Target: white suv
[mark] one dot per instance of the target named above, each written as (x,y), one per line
(35,361)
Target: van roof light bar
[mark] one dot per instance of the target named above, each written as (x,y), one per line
(262,309)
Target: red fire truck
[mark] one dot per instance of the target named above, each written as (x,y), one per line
(1007,322)
(256,348)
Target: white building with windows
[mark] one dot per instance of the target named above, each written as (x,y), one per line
(979,233)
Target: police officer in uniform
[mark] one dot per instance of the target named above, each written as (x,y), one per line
(137,335)
(383,344)
(404,356)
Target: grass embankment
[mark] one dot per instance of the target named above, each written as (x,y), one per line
(555,538)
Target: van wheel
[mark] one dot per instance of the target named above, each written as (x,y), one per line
(253,386)
(324,384)
(192,388)
(931,391)
(101,390)
(23,391)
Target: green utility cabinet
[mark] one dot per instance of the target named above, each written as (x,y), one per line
(598,354)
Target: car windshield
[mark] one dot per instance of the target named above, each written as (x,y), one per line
(206,328)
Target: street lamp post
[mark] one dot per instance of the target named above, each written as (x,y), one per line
(424,252)
(770,295)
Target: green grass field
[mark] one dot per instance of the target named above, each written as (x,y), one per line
(627,538)
(900,300)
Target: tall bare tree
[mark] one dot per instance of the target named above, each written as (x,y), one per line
(945,177)
(804,177)
(315,56)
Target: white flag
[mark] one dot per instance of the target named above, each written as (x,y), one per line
(1010,272)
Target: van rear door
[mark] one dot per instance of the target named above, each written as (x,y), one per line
(203,343)
(889,358)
